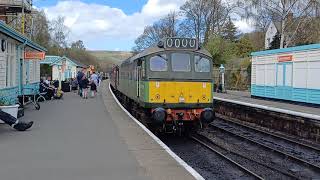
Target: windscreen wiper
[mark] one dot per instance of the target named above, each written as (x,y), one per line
(162,57)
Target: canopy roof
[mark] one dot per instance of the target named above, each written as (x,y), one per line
(57,60)
(10,32)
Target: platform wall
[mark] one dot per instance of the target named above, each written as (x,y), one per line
(298,126)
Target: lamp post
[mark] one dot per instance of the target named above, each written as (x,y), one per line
(60,74)
(222,70)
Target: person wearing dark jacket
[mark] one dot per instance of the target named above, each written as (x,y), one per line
(44,87)
(13,122)
(85,84)
(80,77)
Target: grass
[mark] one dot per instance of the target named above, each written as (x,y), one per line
(111,56)
(107,59)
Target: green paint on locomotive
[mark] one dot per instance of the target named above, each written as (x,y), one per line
(128,75)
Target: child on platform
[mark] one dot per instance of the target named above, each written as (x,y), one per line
(85,84)
(93,88)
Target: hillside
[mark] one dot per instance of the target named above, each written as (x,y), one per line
(108,58)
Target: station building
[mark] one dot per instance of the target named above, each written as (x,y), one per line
(19,64)
(60,68)
(287,74)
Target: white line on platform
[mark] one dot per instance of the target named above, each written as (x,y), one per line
(285,111)
(193,172)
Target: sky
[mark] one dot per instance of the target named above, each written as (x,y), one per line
(111,24)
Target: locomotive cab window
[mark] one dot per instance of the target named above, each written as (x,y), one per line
(202,64)
(143,68)
(181,62)
(159,63)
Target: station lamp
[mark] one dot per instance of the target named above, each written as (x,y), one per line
(222,70)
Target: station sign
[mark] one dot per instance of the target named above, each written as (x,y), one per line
(286,58)
(32,55)
(181,43)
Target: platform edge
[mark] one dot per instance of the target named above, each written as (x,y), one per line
(181,162)
(285,111)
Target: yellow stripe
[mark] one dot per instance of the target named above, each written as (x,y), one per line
(180,92)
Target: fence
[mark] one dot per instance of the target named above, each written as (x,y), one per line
(235,79)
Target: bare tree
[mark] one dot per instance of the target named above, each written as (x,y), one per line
(40,29)
(195,13)
(59,32)
(78,45)
(291,14)
(165,27)
(204,18)
(168,25)
(218,15)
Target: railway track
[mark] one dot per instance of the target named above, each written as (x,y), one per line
(307,145)
(250,166)
(289,149)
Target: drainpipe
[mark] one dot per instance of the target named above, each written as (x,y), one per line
(21,58)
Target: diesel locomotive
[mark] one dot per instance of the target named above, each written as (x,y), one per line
(168,87)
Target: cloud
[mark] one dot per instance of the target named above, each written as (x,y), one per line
(244,26)
(101,26)
(91,22)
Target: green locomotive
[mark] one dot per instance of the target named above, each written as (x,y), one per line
(169,86)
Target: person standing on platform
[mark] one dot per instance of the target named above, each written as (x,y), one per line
(85,84)
(80,77)
(99,78)
(14,122)
(93,89)
(94,77)
(74,84)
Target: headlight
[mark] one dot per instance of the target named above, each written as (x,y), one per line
(159,115)
(207,116)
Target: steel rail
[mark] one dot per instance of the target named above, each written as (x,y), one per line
(227,158)
(273,135)
(315,167)
(252,160)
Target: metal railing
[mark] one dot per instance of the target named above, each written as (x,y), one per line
(235,79)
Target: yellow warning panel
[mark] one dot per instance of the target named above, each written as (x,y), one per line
(180,92)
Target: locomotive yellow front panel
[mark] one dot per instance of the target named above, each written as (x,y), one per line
(180,92)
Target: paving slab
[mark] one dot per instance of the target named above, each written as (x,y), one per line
(72,139)
(157,163)
(82,139)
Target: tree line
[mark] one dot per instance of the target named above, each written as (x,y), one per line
(211,22)
(54,36)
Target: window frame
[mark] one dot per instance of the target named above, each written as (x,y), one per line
(167,60)
(11,65)
(191,61)
(202,57)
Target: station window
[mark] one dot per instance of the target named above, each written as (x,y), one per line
(180,62)
(201,64)
(159,63)
(10,66)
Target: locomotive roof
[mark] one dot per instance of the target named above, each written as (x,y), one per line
(156,49)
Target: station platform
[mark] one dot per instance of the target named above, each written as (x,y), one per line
(82,139)
(244,98)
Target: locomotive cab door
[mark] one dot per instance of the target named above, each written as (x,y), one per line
(138,76)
